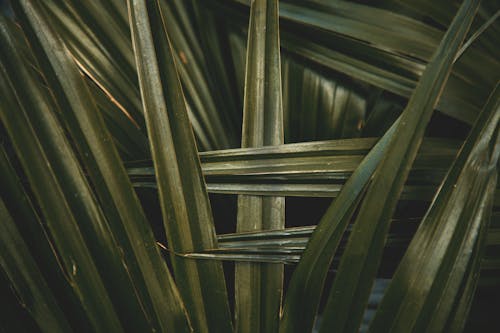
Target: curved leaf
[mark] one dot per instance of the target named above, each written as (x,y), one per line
(61,221)
(434,264)
(119,202)
(358,267)
(23,272)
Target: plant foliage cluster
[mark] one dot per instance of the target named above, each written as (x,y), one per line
(248,166)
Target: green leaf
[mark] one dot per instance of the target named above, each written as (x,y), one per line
(311,169)
(183,198)
(351,38)
(433,267)
(282,246)
(460,313)
(318,107)
(308,278)
(200,94)
(23,272)
(13,317)
(128,138)
(358,267)
(75,256)
(259,287)
(21,208)
(100,41)
(90,218)
(72,111)
(307,281)
(285,245)
(119,203)
(476,35)
(214,51)
(101,47)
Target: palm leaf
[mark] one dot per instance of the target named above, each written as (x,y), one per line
(100,41)
(121,207)
(258,287)
(204,105)
(21,269)
(110,67)
(312,169)
(185,207)
(436,272)
(55,207)
(293,319)
(90,217)
(21,208)
(310,274)
(340,35)
(360,261)
(87,86)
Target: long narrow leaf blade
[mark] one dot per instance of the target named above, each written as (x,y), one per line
(357,270)
(84,278)
(100,157)
(258,287)
(91,220)
(23,273)
(183,198)
(21,208)
(341,35)
(309,276)
(430,273)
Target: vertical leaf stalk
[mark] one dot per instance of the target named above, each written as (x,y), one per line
(258,287)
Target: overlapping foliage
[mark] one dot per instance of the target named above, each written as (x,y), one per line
(121,119)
